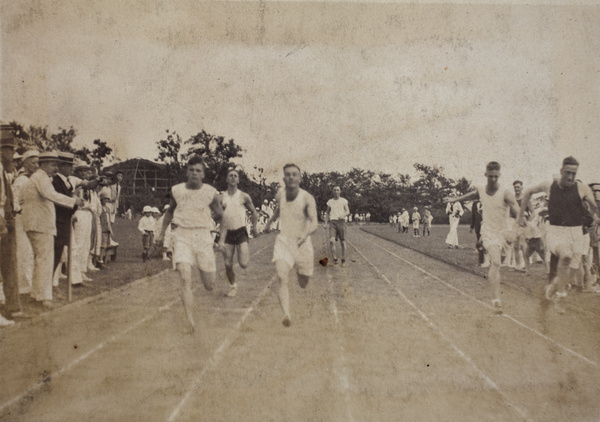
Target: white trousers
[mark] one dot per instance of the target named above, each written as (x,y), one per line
(83,236)
(42,245)
(452,238)
(25,257)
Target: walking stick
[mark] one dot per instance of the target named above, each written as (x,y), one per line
(69,258)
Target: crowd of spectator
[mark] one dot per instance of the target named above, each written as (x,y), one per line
(50,201)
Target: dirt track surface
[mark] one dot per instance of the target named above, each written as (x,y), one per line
(395,336)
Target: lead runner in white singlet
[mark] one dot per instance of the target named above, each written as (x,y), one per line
(297,213)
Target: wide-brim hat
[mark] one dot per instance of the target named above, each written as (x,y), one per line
(48,156)
(147,208)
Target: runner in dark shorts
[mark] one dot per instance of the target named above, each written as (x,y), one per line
(234,235)
(237,236)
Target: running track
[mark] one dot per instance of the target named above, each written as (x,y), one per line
(394,336)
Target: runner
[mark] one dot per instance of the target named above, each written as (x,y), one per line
(337,211)
(234,234)
(297,212)
(519,247)
(564,235)
(190,211)
(495,228)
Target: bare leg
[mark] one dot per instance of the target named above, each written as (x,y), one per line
(228,258)
(187,297)
(283,273)
(332,248)
(243,251)
(494,253)
(208,279)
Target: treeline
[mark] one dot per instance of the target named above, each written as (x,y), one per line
(378,193)
(41,139)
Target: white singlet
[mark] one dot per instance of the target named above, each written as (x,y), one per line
(234,211)
(193,206)
(292,220)
(495,227)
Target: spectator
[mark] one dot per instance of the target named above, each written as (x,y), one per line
(146,226)
(105,226)
(416,219)
(84,216)
(454,211)
(30,163)
(8,241)
(476,220)
(39,222)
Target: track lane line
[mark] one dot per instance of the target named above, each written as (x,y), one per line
(157,310)
(521,412)
(214,361)
(477,273)
(505,315)
(342,373)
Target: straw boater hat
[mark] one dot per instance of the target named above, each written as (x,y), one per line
(30,153)
(48,156)
(65,157)
(7,139)
(80,165)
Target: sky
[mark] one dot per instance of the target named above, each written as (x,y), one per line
(327,85)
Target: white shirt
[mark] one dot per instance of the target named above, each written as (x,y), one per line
(338,208)
(147,224)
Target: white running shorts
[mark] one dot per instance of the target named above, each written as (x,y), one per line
(195,247)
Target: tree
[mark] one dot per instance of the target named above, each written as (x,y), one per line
(39,138)
(432,185)
(217,154)
(169,153)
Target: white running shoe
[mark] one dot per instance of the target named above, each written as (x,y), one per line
(5,322)
(497,307)
(232,291)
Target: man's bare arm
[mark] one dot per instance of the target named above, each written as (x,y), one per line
(253,214)
(466,197)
